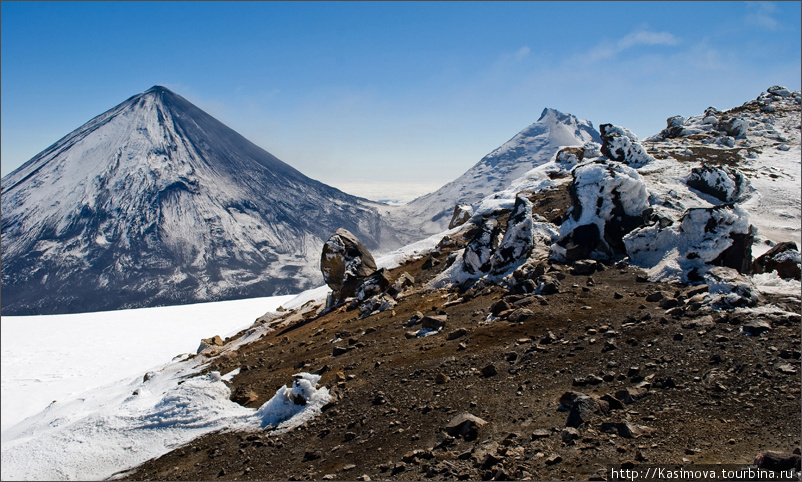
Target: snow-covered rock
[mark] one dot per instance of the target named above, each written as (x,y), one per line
(609,196)
(620,144)
(723,183)
(703,238)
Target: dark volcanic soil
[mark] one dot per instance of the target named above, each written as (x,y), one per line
(709,392)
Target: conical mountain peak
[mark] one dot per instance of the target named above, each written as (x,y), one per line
(157,202)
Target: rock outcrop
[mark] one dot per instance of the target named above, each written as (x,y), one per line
(345,264)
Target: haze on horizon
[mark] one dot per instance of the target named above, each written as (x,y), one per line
(369,96)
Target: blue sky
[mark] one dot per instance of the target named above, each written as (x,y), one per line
(408,92)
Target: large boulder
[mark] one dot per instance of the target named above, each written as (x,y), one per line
(703,238)
(608,200)
(723,183)
(345,263)
(784,258)
(620,144)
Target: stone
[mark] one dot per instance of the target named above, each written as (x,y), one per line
(489,371)
(373,285)
(434,322)
(777,461)
(312,455)
(554,459)
(723,183)
(619,144)
(441,379)
(339,350)
(631,394)
(779,90)
(548,285)
(465,425)
(582,410)
(655,297)
(626,429)
(541,433)
(462,213)
(460,332)
(584,267)
(756,327)
(403,282)
(378,303)
(784,258)
(519,315)
(732,125)
(344,255)
(570,155)
(569,434)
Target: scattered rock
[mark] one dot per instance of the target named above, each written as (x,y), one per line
(756,327)
(460,332)
(582,410)
(626,429)
(784,258)
(465,425)
(569,434)
(434,322)
(777,461)
(519,315)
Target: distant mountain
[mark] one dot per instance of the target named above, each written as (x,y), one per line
(533,146)
(156,202)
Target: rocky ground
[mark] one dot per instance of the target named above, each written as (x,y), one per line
(541,363)
(664,384)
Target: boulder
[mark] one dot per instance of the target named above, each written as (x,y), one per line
(723,183)
(608,201)
(732,126)
(376,303)
(375,284)
(465,425)
(462,213)
(345,263)
(779,91)
(434,322)
(403,282)
(583,409)
(777,461)
(517,243)
(479,251)
(784,258)
(620,144)
(570,156)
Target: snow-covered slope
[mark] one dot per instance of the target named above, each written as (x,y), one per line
(530,148)
(156,202)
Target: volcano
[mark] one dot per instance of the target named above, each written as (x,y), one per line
(155,202)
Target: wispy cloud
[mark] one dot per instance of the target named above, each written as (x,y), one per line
(521,53)
(761,14)
(643,37)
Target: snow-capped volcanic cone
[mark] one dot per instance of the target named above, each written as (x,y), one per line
(156,202)
(533,146)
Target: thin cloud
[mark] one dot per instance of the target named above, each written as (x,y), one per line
(761,14)
(639,38)
(521,53)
